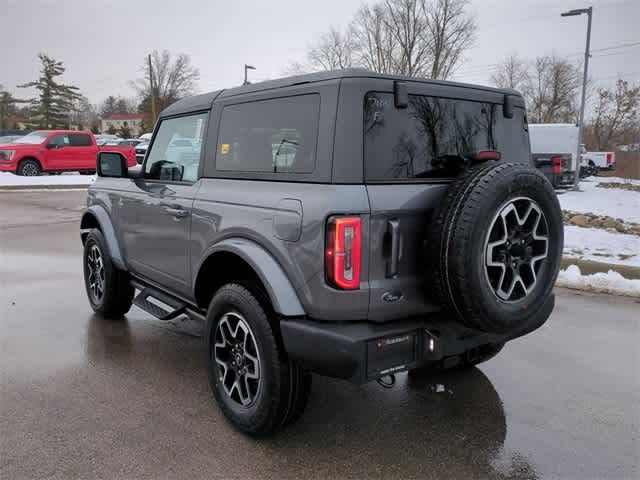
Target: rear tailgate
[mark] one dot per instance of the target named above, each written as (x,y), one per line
(406,177)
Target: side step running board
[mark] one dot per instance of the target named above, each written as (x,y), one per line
(176,307)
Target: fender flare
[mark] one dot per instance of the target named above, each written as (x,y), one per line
(106,226)
(283,296)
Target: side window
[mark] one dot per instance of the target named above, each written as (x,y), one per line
(59,141)
(277,136)
(79,140)
(175,153)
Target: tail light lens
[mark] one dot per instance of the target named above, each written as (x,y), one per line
(343,252)
(609,158)
(556,163)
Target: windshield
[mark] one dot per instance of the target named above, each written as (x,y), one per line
(33,138)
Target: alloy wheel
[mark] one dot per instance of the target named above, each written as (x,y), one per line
(236,354)
(516,248)
(96,278)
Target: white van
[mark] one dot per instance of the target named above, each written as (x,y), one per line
(553,148)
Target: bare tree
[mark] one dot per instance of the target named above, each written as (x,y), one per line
(424,38)
(173,78)
(451,33)
(512,72)
(616,117)
(334,50)
(551,90)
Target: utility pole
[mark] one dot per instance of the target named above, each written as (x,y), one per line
(247,67)
(571,13)
(153,93)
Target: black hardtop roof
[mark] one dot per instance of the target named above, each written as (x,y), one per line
(205,100)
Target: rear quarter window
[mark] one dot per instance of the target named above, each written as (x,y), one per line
(414,143)
(275,135)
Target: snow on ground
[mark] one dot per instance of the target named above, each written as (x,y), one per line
(9,179)
(610,282)
(601,246)
(613,202)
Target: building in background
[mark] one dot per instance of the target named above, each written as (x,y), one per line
(118,121)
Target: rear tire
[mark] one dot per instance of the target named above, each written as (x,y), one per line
(255,385)
(108,288)
(29,168)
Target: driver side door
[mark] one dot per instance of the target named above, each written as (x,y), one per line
(57,155)
(156,211)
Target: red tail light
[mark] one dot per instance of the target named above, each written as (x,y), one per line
(342,252)
(556,163)
(609,158)
(488,155)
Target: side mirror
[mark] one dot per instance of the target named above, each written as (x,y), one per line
(52,146)
(112,164)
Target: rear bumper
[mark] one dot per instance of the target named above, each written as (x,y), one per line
(364,351)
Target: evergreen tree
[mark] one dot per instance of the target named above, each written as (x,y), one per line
(7,107)
(125,131)
(55,100)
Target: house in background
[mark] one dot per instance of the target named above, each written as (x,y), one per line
(117,121)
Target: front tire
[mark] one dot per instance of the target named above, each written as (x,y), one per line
(257,388)
(29,168)
(108,288)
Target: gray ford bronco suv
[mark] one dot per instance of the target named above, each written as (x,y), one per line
(346,223)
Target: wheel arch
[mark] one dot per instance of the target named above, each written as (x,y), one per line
(21,160)
(237,259)
(97,217)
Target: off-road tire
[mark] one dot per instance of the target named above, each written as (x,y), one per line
(284,388)
(117,292)
(456,246)
(29,168)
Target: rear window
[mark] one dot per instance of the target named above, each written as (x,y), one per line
(277,136)
(416,142)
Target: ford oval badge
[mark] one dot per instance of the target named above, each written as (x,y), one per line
(391,297)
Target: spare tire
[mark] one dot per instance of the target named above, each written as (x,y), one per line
(495,245)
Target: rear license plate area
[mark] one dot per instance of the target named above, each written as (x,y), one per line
(391,354)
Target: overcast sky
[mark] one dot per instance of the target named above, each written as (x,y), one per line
(103,43)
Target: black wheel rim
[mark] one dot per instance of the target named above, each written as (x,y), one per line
(516,249)
(236,355)
(30,170)
(95,278)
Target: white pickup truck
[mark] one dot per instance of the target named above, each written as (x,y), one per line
(599,160)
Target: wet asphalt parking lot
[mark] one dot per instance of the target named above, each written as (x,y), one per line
(81,397)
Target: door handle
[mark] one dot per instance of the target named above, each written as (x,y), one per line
(175,210)
(393,228)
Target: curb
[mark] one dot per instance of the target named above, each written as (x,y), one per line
(9,188)
(589,267)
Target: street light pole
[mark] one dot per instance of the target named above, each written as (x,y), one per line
(247,67)
(571,13)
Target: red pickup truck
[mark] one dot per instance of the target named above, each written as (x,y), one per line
(56,151)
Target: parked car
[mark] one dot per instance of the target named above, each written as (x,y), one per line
(600,160)
(55,151)
(146,136)
(104,138)
(406,231)
(553,148)
(131,142)
(141,150)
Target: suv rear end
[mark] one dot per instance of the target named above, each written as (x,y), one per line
(404,155)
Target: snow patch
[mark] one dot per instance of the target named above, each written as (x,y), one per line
(610,282)
(601,246)
(10,179)
(612,202)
